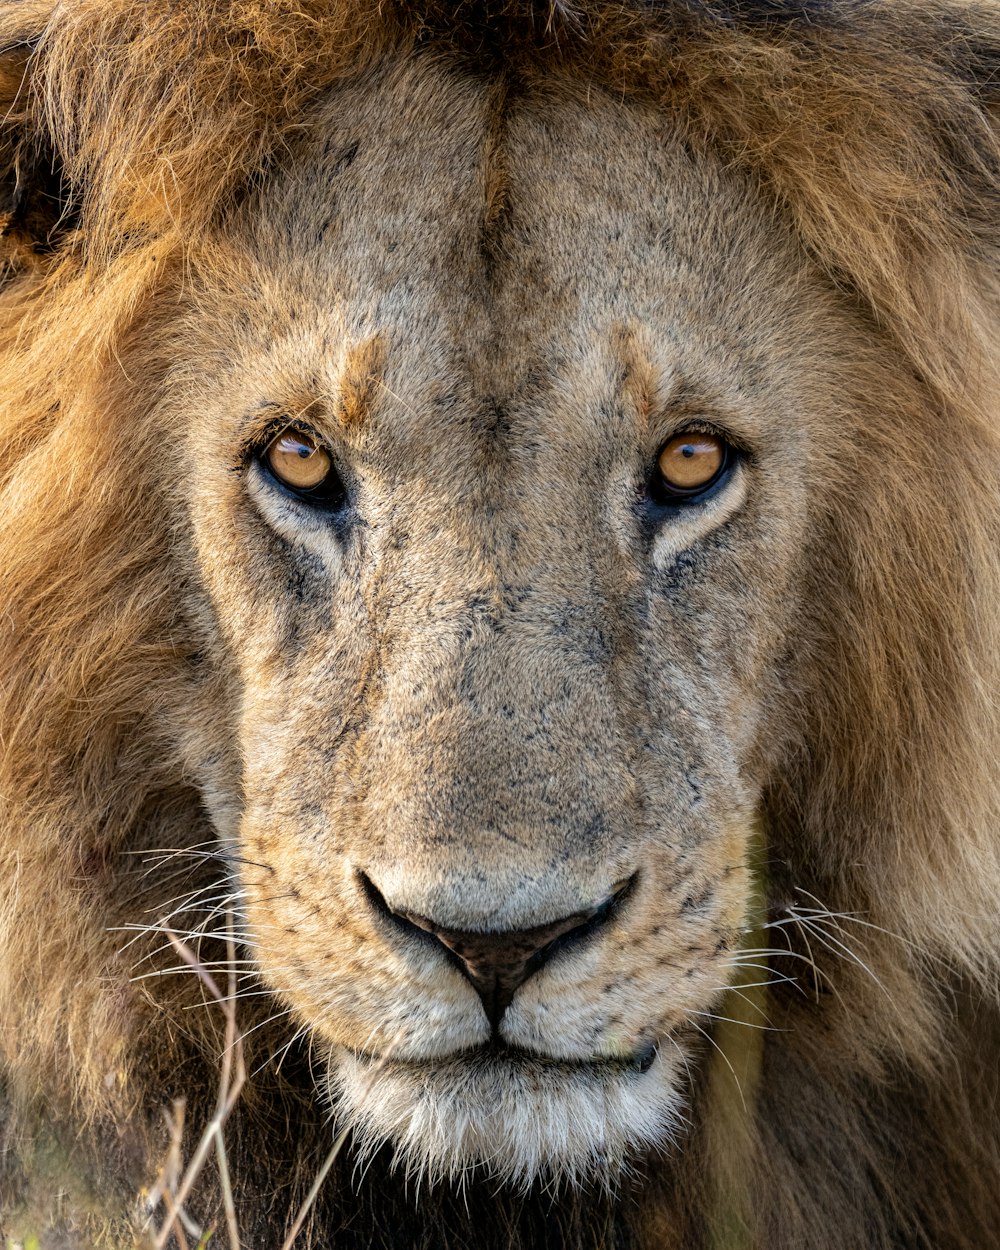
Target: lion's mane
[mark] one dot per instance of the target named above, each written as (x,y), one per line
(126,131)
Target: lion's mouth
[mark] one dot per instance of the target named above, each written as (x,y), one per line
(516,1115)
(499,1054)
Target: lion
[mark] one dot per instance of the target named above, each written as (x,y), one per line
(500,571)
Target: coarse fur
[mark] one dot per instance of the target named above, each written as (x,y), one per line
(496,255)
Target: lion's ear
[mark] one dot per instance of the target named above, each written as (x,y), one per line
(34,196)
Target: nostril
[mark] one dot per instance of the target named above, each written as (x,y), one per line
(498,963)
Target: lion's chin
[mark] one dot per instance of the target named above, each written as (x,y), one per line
(516,1118)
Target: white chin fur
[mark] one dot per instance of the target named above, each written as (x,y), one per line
(518,1121)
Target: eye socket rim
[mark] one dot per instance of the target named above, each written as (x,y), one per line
(663,494)
(328,495)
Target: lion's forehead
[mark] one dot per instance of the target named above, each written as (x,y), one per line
(527,248)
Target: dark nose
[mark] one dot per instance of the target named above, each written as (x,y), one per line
(498,964)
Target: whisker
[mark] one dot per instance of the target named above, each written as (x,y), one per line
(278,1015)
(725,1058)
(713,1015)
(220,964)
(278,1056)
(777,978)
(181,900)
(238,996)
(839,948)
(196,935)
(222,855)
(162,924)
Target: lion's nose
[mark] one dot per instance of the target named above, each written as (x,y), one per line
(498,964)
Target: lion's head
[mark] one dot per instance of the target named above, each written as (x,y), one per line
(503,509)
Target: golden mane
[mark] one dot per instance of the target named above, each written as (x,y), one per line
(126,131)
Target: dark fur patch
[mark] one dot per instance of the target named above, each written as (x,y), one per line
(35,201)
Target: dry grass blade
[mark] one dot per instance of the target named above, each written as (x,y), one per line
(232,1077)
(314,1189)
(338,1143)
(168,1180)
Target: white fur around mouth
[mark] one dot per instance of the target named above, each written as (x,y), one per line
(516,1119)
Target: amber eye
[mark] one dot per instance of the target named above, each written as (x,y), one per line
(688,465)
(303,465)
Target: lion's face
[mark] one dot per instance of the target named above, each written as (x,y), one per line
(493,675)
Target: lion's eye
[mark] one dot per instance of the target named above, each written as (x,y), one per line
(304,466)
(298,460)
(690,464)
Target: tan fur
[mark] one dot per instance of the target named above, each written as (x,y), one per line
(495,259)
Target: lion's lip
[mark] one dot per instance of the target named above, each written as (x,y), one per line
(493,1053)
